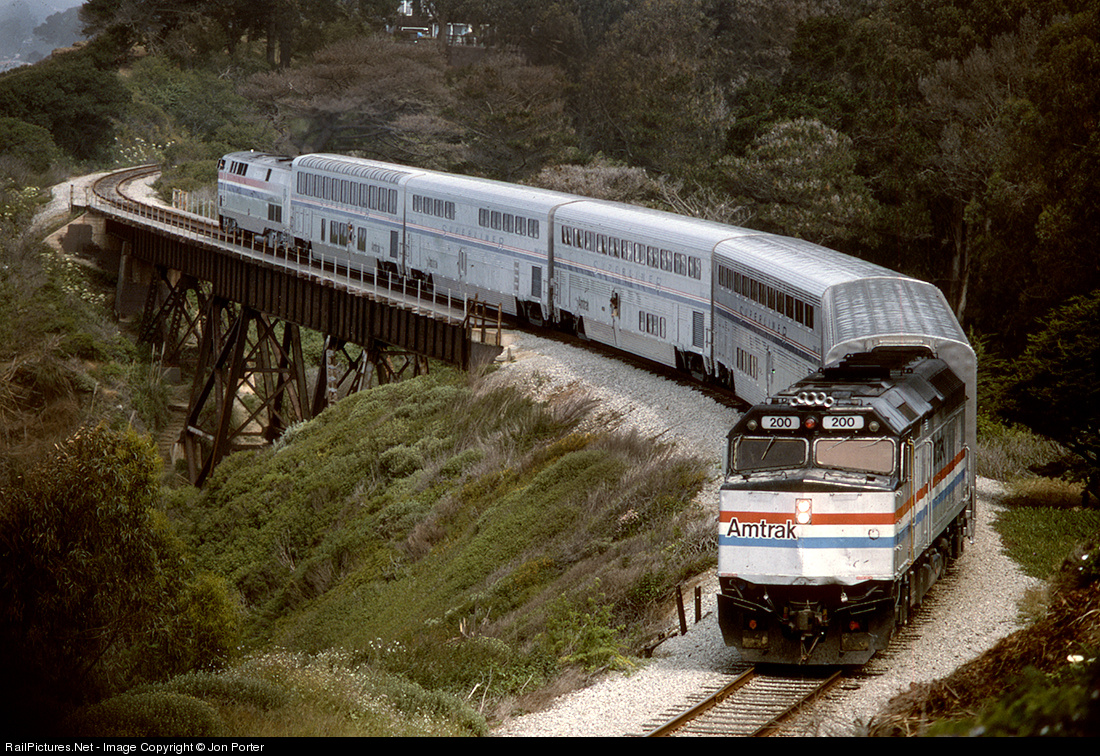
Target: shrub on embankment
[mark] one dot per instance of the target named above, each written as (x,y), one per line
(464,537)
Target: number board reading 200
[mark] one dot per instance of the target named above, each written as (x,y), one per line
(780,422)
(842,422)
(829,422)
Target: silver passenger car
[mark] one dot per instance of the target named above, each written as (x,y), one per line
(752,311)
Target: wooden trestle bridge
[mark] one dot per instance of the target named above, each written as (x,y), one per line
(235,308)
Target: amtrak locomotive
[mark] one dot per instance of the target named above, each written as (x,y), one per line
(845,497)
(752,311)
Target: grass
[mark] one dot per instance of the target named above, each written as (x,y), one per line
(1043,519)
(481,538)
(63,361)
(282,694)
(1040,538)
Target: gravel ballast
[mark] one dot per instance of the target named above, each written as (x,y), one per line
(967,612)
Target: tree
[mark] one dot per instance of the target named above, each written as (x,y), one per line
(949,124)
(23,141)
(648,95)
(601,180)
(513,115)
(139,22)
(968,105)
(558,33)
(182,28)
(800,179)
(200,102)
(1057,393)
(1040,213)
(94,588)
(368,95)
(69,97)
(855,74)
(752,38)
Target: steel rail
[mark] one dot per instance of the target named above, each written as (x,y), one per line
(809,696)
(761,703)
(703,706)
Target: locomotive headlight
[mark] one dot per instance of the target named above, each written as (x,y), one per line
(802,511)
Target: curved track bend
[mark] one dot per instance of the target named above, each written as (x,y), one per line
(111,190)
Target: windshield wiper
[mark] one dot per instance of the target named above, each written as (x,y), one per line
(768,448)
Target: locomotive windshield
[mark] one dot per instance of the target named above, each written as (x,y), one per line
(865,455)
(875,456)
(773,453)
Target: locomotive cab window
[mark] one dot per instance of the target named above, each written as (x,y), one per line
(864,455)
(751,454)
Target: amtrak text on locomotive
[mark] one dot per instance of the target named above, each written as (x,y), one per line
(762,529)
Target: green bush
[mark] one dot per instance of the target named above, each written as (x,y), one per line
(96,592)
(457,464)
(234,687)
(334,694)
(449,521)
(153,714)
(69,96)
(150,396)
(582,633)
(466,664)
(25,141)
(400,461)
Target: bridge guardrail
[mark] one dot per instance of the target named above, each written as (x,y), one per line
(398,290)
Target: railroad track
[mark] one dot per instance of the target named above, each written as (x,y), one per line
(750,705)
(112,189)
(755,704)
